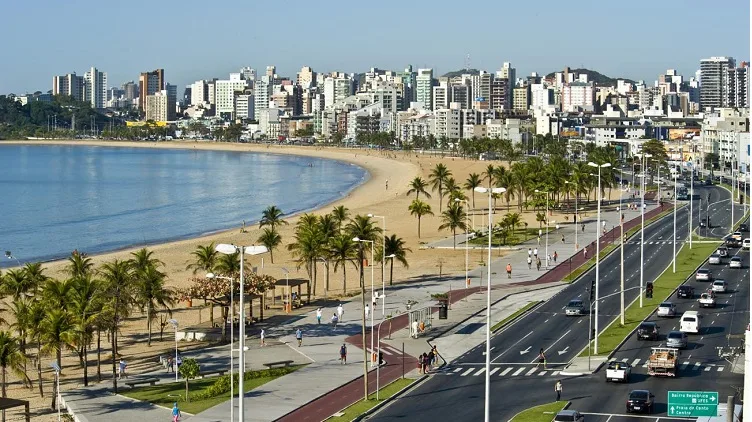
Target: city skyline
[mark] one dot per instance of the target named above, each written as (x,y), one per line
(201,54)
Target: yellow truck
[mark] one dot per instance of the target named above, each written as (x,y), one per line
(663,361)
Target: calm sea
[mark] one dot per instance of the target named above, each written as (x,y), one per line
(54,199)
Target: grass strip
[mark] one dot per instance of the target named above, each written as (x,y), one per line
(499,325)
(362,406)
(168,393)
(686,262)
(542,413)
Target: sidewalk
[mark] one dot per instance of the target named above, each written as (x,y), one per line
(308,393)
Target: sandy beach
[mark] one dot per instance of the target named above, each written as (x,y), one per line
(373,196)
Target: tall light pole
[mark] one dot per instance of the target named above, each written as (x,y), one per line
(576,195)
(642,224)
(363,321)
(490,192)
(546,193)
(174,324)
(690,199)
(597,249)
(232,338)
(383,266)
(467,239)
(621,236)
(229,249)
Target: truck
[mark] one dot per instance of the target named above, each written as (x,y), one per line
(707,300)
(663,361)
(618,371)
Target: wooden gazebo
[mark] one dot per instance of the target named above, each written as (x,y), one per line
(288,285)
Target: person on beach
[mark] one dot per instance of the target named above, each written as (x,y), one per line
(175,412)
(340,312)
(262,336)
(299,336)
(343,354)
(319,313)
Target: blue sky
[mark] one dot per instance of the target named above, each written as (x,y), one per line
(194,39)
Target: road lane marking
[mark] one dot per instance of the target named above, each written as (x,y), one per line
(517,372)
(720,369)
(509,348)
(684,365)
(493,371)
(541,373)
(580,321)
(480,371)
(457,370)
(555,373)
(696,367)
(466,373)
(553,344)
(635,362)
(531,371)
(708,368)
(546,321)
(504,372)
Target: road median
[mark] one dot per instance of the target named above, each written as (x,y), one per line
(543,413)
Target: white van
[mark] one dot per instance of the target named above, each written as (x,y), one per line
(690,322)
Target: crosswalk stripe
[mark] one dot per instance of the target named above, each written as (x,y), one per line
(720,368)
(517,372)
(506,371)
(466,373)
(541,373)
(457,370)
(645,365)
(493,371)
(625,360)
(635,362)
(530,372)
(555,373)
(480,371)
(707,368)
(696,367)
(684,365)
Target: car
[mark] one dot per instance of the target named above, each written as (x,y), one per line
(715,259)
(618,371)
(745,244)
(708,182)
(743,228)
(640,401)
(736,262)
(719,286)
(703,274)
(676,339)
(575,307)
(711,292)
(647,331)
(732,242)
(723,251)
(736,235)
(685,291)
(569,416)
(666,309)
(690,322)
(706,301)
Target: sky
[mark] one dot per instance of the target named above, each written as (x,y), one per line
(194,39)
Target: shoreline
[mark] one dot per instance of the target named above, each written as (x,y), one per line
(373,164)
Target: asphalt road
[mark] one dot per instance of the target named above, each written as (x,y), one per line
(516,383)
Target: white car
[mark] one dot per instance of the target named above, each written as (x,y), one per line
(666,309)
(736,262)
(714,259)
(719,286)
(703,274)
(737,235)
(745,244)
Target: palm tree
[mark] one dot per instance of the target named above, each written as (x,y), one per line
(271,239)
(540,218)
(55,293)
(512,220)
(452,219)
(438,178)
(489,174)
(152,294)
(37,311)
(16,284)
(118,293)
(472,182)
(272,217)
(79,265)
(143,259)
(21,311)
(308,247)
(11,357)
(35,276)
(340,214)
(341,249)
(329,226)
(363,228)
(84,305)
(57,331)
(419,208)
(418,186)
(229,265)
(204,259)
(394,245)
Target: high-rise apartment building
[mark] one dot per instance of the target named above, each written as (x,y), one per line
(248,73)
(715,81)
(577,96)
(500,94)
(521,98)
(306,77)
(424,88)
(481,87)
(130,90)
(262,92)
(71,85)
(160,107)
(337,88)
(95,88)
(442,96)
(150,83)
(199,92)
(224,96)
(739,86)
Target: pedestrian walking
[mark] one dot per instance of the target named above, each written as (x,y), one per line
(367,310)
(562,239)
(319,312)
(299,336)
(122,367)
(170,368)
(535,252)
(557,388)
(415,329)
(556,256)
(539,240)
(435,352)
(509,270)
(343,354)
(335,320)
(175,412)
(541,359)
(583,227)
(529,252)
(178,362)
(262,336)
(420,364)
(538,263)
(584,251)
(429,357)
(529,263)
(340,312)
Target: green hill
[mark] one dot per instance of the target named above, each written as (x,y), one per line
(594,76)
(461,72)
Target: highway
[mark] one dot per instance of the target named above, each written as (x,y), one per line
(516,382)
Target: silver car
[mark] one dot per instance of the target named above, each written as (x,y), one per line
(666,309)
(676,339)
(714,259)
(719,286)
(703,274)
(736,262)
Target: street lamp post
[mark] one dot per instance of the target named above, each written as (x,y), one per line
(383,266)
(363,319)
(232,339)
(621,235)
(467,240)
(642,224)
(229,249)
(690,199)
(174,324)
(547,227)
(490,192)
(576,195)
(597,249)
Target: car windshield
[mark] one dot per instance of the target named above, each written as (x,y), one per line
(574,303)
(646,326)
(638,395)
(684,288)
(665,305)
(736,258)
(719,282)
(703,271)
(564,418)
(674,335)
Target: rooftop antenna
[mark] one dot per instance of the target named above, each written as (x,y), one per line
(467,62)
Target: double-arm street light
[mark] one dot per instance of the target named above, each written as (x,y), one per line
(546,193)
(174,324)
(490,192)
(232,338)
(383,261)
(363,315)
(229,249)
(597,249)
(644,163)
(467,239)
(576,195)
(676,173)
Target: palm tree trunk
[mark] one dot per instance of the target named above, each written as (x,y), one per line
(148,323)
(271,254)
(39,366)
(224,324)
(99,356)
(454,239)
(114,357)
(391,273)
(86,369)
(326,290)
(315,266)
(4,396)
(344,279)
(261,306)
(419,227)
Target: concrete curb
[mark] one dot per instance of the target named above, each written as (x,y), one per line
(379,406)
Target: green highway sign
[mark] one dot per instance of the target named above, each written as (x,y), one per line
(692,403)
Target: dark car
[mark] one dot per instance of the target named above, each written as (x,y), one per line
(708,182)
(640,401)
(687,292)
(743,228)
(733,242)
(647,331)
(569,416)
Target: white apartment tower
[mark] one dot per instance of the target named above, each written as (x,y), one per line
(70,84)
(306,77)
(337,88)
(424,88)
(159,107)
(224,96)
(262,91)
(95,88)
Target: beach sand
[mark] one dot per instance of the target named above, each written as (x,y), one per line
(398,167)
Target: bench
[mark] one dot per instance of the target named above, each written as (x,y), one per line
(284,363)
(275,307)
(135,382)
(218,372)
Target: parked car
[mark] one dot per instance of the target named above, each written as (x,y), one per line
(719,286)
(676,339)
(575,307)
(703,274)
(714,259)
(736,262)
(647,331)
(640,401)
(666,309)
(685,291)
(706,301)
(618,371)
(569,416)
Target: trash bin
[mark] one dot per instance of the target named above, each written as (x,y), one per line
(443,308)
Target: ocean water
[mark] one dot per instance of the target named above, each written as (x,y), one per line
(54,199)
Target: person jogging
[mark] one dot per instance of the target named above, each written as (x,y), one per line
(541,359)
(509,270)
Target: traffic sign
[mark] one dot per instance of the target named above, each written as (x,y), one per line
(692,403)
